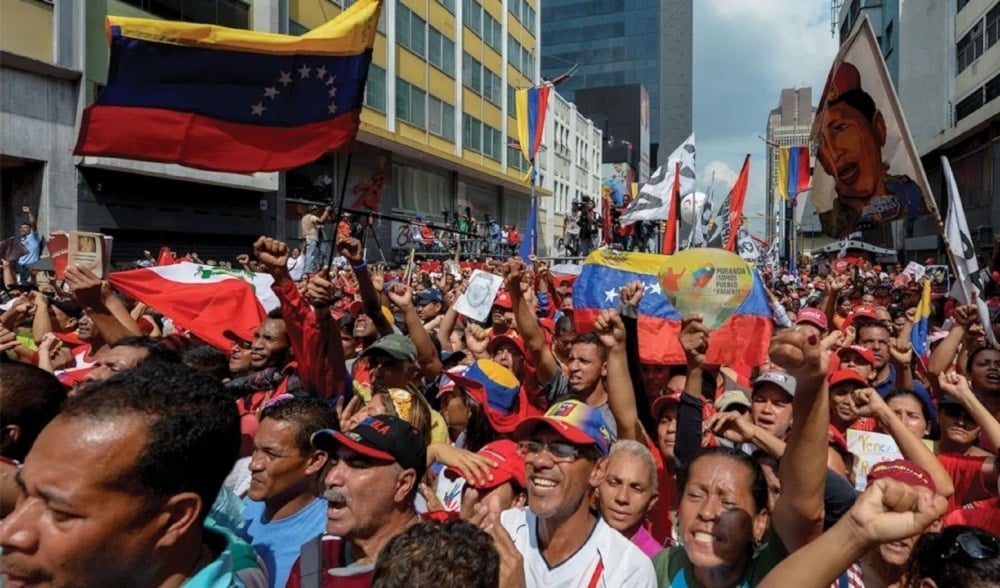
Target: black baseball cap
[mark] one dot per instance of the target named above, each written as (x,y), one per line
(383,437)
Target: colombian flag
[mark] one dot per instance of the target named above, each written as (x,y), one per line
(794,175)
(531,104)
(230,100)
(918,336)
(742,340)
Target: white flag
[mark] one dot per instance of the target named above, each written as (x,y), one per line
(654,198)
(703,220)
(970,286)
(747,247)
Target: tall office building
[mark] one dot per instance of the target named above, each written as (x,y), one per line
(787,125)
(622,43)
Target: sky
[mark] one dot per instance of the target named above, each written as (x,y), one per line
(745,52)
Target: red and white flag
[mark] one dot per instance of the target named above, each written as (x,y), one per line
(202,299)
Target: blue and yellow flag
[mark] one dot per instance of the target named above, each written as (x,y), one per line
(918,336)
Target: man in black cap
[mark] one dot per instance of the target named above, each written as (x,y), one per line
(375,469)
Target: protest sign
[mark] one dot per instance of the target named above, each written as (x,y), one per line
(711,282)
(477,301)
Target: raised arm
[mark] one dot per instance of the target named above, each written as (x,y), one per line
(694,339)
(870,404)
(527,322)
(353,252)
(41,323)
(32,221)
(798,514)
(944,354)
(629,297)
(621,398)
(427,355)
(111,319)
(887,511)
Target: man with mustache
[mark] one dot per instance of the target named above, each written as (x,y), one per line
(375,469)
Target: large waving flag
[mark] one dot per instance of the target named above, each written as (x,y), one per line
(205,300)
(918,336)
(794,175)
(743,339)
(732,208)
(970,282)
(231,100)
(655,197)
(531,105)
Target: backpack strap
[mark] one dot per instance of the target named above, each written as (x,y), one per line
(311,563)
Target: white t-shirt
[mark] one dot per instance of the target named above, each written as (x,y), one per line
(606,560)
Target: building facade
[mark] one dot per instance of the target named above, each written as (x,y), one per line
(788,125)
(622,43)
(435,137)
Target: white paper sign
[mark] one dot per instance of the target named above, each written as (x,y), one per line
(869,449)
(915,271)
(477,301)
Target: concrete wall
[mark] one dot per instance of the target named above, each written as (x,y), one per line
(37,123)
(926,54)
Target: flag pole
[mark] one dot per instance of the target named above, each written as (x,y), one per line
(338,208)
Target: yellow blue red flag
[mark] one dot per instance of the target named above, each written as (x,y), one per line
(231,100)
(742,339)
(918,336)
(531,104)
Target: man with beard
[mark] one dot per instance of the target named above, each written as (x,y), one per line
(372,480)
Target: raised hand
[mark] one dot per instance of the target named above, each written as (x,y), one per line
(610,329)
(401,295)
(966,315)
(632,292)
(869,403)
(901,351)
(732,426)
(86,287)
(694,339)
(807,358)
(271,254)
(476,339)
(890,510)
(352,250)
(377,274)
(320,291)
(955,385)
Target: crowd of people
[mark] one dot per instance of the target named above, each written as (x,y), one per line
(368,434)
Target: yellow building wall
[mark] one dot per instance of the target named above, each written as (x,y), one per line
(26,28)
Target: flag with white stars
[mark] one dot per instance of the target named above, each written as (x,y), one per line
(743,338)
(230,99)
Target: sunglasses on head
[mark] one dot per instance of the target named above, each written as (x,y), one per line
(974,544)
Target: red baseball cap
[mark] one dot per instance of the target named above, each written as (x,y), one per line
(503,300)
(901,470)
(510,465)
(812,316)
(865,310)
(499,340)
(841,376)
(663,401)
(866,354)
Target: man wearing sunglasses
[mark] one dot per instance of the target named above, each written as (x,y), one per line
(561,540)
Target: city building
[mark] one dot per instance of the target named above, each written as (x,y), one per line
(569,166)
(949,100)
(623,43)
(437,137)
(788,125)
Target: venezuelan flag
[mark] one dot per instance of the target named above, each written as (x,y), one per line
(531,105)
(743,339)
(231,100)
(918,336)
(794,174)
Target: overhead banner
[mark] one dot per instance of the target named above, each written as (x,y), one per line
(868,170)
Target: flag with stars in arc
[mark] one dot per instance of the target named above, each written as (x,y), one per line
(231,100)
(743,339)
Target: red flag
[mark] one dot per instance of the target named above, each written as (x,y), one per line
(736,198)
(670,232)
(166,257)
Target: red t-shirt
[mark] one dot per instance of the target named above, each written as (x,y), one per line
(987,519)
(966,473)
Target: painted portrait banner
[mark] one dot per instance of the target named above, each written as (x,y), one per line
(868,170)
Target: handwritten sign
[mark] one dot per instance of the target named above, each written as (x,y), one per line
(869,448)
(711,282)
(477,301)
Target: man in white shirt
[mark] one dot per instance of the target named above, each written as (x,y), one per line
(561,540)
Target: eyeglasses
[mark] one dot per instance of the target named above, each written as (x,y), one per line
(974,544)
(562,452)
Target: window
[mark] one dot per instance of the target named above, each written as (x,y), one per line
(229,13)
(472,73)
(992,88)
(411,104)
(511,101)
(296,28)
(491,142)
(419,190)
(514,157)
(375,88)
(472,131)
(492,87)
(961,5)
(514,53)
(472,16)
(440,118)
(492,32)
(970,47)
(969,105)
(440,51)
(448,4)
(993,26)
(410,30)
